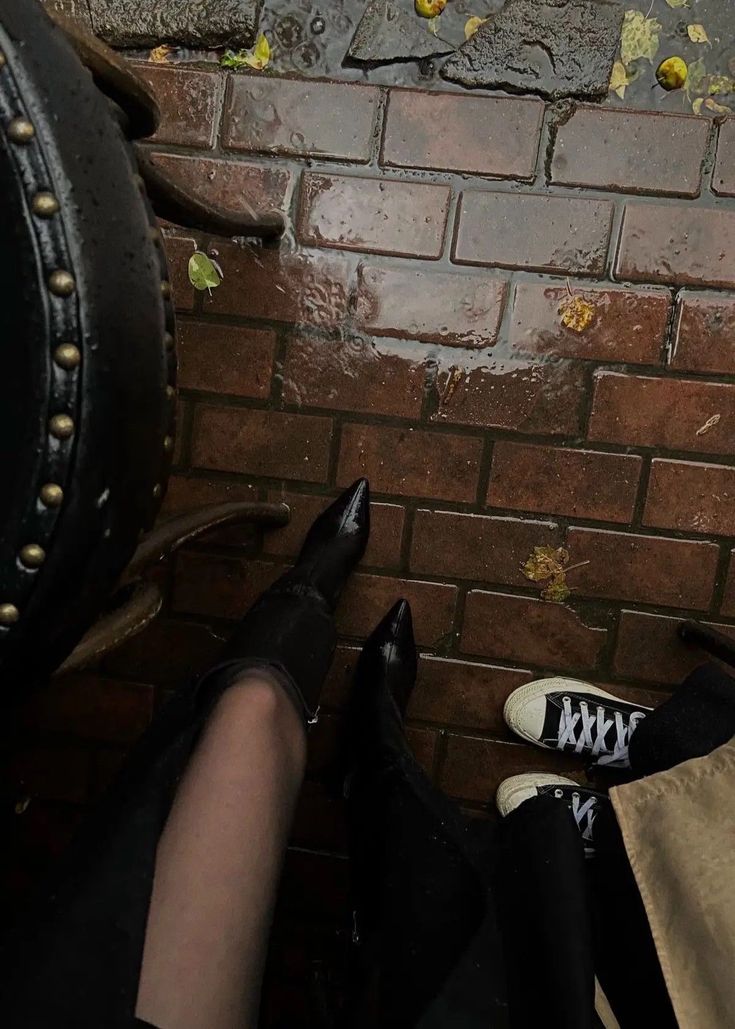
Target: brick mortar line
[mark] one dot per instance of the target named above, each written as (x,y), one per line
(636,521)
(588,608)
(721,578)
(497,434)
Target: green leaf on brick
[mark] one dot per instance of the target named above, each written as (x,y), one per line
(203,273)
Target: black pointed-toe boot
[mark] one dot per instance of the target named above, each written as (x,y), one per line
(290,629)
(384,679)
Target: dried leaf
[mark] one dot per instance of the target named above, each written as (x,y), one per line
(672,73)
(720,84)
(577,313)
(160,54)
(557,590)
(677,3)
(697,34)
(472,25)
(716,108)
(697,105)
(258,58)
(203,274)
(619,79)
(430,8)
(696,76)
(545,563)
(639,37)
(709,423)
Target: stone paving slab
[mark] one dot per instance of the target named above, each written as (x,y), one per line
(193,23)
(553,47)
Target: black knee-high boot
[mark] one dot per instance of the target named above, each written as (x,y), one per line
(75,961)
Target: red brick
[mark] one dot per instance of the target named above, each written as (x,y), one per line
(178,251)
(476,547)
(410,462)
(295,116)
(691,497)
(423,744)
(631,151)
(451,308)
(666,413)
(492,136)
(521,629)
(92,707)
(540,233)
(676,243)
(629,325)
(280,286)
(648,569)
(189,102)
(648,647)
(219,587)
(723,181)
(225,358)
(512,394)
(474,768)
(232,185)
(578,483)
(705,334)
(386,529)
(271,443)
(368,598)
(406,218)
(461,693)
(353,374)
(166,654)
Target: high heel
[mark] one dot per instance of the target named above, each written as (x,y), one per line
(290,630)
(384,680)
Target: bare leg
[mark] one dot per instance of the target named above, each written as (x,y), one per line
(218,864)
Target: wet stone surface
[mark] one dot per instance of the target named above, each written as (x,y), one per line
(389,33)
(555,48)
(205,23)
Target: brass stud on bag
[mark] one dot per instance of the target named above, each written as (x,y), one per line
(170,393)
(166,290)
(168,341)
(21,131)
(61,426)
(51,495)
(157,491)
(168,444)
(45,205)
(61,283)
(32,556)
(67,356)
(9,614)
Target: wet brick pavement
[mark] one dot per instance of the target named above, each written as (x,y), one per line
(410,328)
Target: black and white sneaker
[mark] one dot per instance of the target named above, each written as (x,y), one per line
(573,716)
(582,802)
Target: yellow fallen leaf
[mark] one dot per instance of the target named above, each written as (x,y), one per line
(160,53)
(672,73)
(619,79)
(697,34)
(261,54)
(697,105)
(433,25)
(639,37)
(677,3)
(716,108)
(720,84)
(430,8)
(557,590)
(472,25)
(577,313)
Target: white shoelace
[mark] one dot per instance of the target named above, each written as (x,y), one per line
(590,734)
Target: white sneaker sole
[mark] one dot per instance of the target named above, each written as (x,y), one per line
(514,791)
(520,698)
